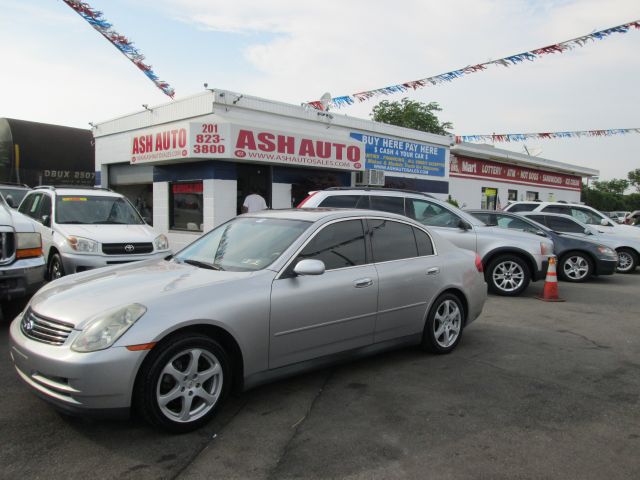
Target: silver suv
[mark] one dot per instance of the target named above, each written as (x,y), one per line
(21,262)
(511,259)
(86,228)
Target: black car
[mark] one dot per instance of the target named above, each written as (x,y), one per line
(578,259)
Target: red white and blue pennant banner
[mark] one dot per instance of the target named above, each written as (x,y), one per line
(522,137)
(338,102)
(122,43)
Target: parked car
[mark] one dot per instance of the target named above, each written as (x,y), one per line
(578,258)
(618,216)
(85,228)
(633,218)
(511,259)
(22,265)
(627,248)
(262,296)
(582,213)
(13,193)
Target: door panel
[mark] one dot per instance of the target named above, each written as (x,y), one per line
(313,316)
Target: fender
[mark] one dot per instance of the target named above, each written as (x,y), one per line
(531,262)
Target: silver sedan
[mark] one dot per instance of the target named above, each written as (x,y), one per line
(260,297)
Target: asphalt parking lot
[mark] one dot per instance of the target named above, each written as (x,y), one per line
(535,390)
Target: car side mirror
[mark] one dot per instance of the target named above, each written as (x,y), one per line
(464,225)
(605,223)
(540,233)
(309,267)
(46,220)
(587,231)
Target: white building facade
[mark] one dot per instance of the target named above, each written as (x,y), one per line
(188,165)
(482,176)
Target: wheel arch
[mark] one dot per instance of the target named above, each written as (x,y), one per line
(526,256)
(454,290)
(586,253)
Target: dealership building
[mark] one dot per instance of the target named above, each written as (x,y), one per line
(187,165)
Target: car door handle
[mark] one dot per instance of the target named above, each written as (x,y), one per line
(363,282)
(433,271)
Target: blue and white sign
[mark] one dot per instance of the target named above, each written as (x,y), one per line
(393,155)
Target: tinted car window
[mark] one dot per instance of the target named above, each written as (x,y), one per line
(523,207)
(514,223)
(387,204)
(340,201)
(557,209)
(586,216)
(564,225)
(432,214)
(338,245)
(45,207)
(392,240)
(539,218)
(25,206)
(425,247)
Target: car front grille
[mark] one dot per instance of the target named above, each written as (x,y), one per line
(45,330)
(7,246)
(126,248)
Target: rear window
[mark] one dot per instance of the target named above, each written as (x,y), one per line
(522,207)
(392,240)
(345,201)
(387,204)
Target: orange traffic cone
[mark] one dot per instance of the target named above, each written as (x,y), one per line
(550,292)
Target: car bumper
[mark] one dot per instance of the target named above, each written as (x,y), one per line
(96,383)
(606,266)
(22,278)
(74,263)
(542,264)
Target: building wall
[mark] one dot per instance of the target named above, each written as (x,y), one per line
(469,191)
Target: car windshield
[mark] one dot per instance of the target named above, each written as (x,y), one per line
(244,244)
(103,210)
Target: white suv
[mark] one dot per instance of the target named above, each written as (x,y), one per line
(511,259)
(86,228)
(582,213)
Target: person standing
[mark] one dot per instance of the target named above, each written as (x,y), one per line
(254,202)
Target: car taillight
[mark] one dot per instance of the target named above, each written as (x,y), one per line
(479,263)
(306,199)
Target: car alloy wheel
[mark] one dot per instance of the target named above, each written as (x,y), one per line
(507,275)
(182,382)
(627,261)
(444,324)
(56,269)
(576,267)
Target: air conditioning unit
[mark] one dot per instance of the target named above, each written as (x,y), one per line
(370,178)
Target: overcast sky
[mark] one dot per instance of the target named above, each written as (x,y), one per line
(55,68)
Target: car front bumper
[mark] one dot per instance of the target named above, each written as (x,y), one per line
(606,266)
(96,383)
(74,263)
(22,278)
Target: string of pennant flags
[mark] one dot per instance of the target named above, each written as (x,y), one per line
(96,19)
(346,100)
(521,137)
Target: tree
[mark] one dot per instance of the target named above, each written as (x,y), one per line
(411,114)
(634,179)
(616,186)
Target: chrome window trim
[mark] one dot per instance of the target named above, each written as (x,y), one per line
(373,217)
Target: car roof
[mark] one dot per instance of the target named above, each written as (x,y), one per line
(322,213)
(87,191)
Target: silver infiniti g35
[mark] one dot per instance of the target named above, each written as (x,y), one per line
(260,297)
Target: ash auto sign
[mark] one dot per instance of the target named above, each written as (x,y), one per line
(393,155)
(271,146)
(160,144)
(473,167)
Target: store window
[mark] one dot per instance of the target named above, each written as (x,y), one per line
(186,207)
(513,195)
(533,197)
(489,200)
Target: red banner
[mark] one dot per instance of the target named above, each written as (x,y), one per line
(475,168)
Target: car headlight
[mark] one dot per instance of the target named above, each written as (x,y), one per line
(83,245)
(28,245)
(104,330)
(609,252)
(546,249)
(161,243)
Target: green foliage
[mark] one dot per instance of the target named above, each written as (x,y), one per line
(616,186)
(607,201)
(634,179)
(452,201)
(411,114)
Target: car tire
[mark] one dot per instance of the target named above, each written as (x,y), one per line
(575,267)
(176,395)
(444,325)
(507,275)
(627,260)
(55,268)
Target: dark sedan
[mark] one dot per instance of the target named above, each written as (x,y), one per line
(578,259)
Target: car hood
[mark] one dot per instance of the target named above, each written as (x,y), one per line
(79,298)
(621,230)
(110,233)
(12,218)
